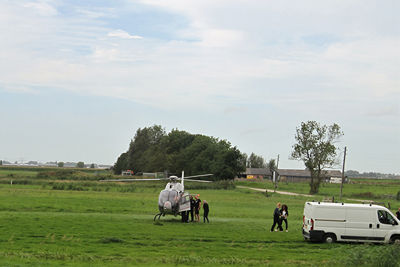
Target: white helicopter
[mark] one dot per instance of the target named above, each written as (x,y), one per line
(173,199)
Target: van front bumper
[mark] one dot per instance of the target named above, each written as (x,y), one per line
(314,235)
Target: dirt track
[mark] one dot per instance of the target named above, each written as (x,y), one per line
(293,194)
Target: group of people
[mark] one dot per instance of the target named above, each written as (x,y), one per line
(280,215)
(195,207)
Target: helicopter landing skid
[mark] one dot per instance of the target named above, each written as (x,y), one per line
(159,215)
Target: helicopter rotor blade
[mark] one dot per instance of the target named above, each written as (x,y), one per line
(200,181)
(196,176)
(132,180)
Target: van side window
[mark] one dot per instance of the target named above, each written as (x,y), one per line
(385,218)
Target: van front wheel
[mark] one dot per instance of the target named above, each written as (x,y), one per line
(329,238)
(395,239)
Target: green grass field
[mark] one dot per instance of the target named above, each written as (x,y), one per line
(41,225)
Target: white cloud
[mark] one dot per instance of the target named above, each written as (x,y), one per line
(43,8)
(123,34)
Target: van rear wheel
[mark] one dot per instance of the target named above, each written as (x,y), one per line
(329,238)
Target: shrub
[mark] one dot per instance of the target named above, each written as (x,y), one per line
(106,240)
(372,255)
(218,185)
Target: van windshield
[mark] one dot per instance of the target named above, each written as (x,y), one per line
(385,217)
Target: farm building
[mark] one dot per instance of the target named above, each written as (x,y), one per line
(257,173)
(290,175)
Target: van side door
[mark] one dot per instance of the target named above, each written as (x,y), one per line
(359,224)
(384,224)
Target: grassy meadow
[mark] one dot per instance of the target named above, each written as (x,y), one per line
(82,222)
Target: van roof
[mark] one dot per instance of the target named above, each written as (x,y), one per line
(329,204)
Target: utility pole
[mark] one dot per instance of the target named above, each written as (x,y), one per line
(344,161)
(275,176)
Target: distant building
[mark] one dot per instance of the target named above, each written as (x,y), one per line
(127,173)
(104,166)
(257,173)
(289,175)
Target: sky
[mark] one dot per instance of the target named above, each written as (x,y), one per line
(78,78)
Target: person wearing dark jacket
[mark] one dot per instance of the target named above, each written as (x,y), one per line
(192,203)
(206,210)
(277,221)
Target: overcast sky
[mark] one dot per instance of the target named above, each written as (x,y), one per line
(78,78)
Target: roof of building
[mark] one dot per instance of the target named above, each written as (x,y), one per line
(258,171)
(306,173)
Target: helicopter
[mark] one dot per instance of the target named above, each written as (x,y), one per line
(173,199)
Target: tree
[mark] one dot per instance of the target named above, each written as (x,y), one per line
(272,165)
(80,164)
(255,161)
(60,164)
(145,139)
(121,164)
(315,146)
(1,162)
(273,170)
(153,150)
(92,166)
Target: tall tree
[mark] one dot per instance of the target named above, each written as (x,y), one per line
(80,164)
(315,146)
(121,164)
(152,150)
(271,165)
(255,161)
(145,139)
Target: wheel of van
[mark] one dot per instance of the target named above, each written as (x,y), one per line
(395,240)
(329,238)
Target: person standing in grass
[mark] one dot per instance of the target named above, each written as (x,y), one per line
(277,221)
(284,214)
(206,210)
(192,204)
(197,207)
(398,214)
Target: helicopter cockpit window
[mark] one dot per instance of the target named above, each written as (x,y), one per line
(166,195)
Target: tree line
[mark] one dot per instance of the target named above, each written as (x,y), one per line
(356,174)
(154,150)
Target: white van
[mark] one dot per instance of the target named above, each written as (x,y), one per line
(331,222)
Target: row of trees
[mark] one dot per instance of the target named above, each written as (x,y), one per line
(80,164)
(152,149)
(353,173)
(255,161)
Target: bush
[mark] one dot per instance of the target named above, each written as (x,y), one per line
(107,240)
(372,255)
(218,185)
(70,174)
(69,186)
